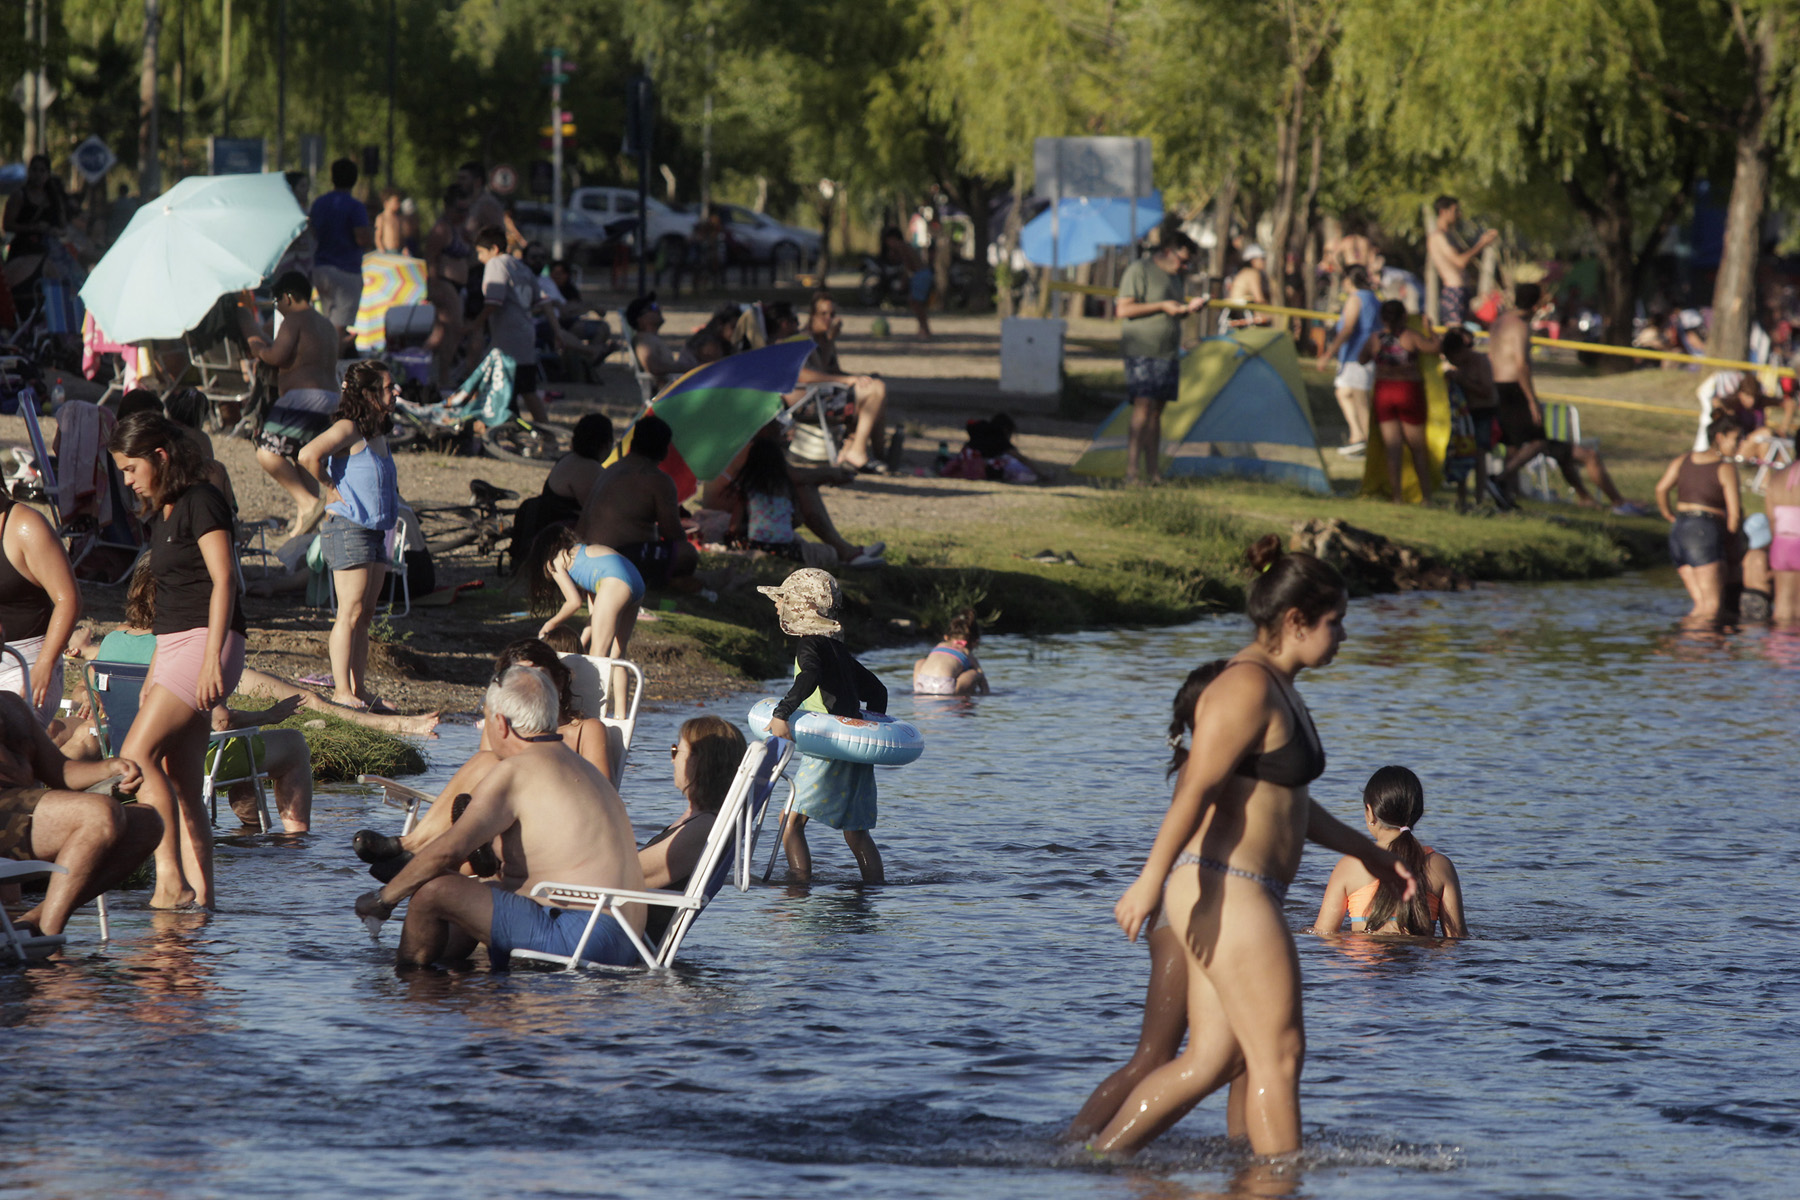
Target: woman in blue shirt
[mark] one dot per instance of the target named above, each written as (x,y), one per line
(1355,380)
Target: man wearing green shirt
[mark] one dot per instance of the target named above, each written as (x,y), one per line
(1151,305)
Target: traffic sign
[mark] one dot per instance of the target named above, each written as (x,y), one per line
(93,158)
(503,181)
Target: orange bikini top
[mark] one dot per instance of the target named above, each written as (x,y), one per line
(1360,900)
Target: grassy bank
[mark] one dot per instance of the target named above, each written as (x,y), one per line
(342,750)
(1141,557)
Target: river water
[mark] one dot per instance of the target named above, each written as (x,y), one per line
(1617,797)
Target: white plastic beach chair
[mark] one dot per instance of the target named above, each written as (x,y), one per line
(729,849)
(14,942)
(590,682)
(401,590)
(1776,455)
(646,382)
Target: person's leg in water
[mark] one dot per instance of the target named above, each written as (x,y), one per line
(288,764)
(1786,607)
(184,762)
(1707,587)
(1165,1024)
(160,717)
(256,683)
(1415,443)
(868,858)
(793,845)
(296,483)
(358,592)
(445,920)
(1243,1016)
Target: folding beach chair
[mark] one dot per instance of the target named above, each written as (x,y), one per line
(400,591)
(80,537)
(815,439)
(729,849)
(646,382)
(593,681)
(15,943)
(1562,423)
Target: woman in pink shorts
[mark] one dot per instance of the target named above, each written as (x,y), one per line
(1783,501)
(199,655)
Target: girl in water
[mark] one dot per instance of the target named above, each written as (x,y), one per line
(1393,803)
(1400,395)
(199,627)
(1165,1003)
(950,668)
(1224,857)
(1708,513)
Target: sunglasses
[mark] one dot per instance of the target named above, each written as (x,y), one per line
(674,750)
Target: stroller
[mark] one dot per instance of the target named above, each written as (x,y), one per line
(479,417)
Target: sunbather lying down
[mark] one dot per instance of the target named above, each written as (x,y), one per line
(45,815)
(557,818)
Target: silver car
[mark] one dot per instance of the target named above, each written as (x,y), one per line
(767,240)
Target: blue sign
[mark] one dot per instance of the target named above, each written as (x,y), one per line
(236,156)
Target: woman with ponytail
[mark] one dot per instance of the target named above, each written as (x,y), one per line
(1393,803)
(1223,858)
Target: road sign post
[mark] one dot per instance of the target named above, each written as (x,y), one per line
(1090,166)
(93,158)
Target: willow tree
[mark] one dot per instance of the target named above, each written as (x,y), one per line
(1568,90)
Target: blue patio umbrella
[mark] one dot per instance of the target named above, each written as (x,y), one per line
(206,236)
(1088,223)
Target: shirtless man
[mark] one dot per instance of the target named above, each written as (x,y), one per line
(1453,294)
(868,392)
(44,815)
(1248,286)
(634,509)
(556,817)
(653,354)
(305,354)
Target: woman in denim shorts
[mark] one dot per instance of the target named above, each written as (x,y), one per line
(356,473)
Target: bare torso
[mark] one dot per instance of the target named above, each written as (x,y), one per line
(622,508)
(1443,257)
(315,352)
(571,825)
(1509,346)
(572,477)
(1254,825)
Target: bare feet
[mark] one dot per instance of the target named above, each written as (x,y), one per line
(173,899)
(424,725)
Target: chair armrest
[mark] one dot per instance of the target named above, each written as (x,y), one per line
(577,894)
(395,791)
(216,736)
(28,869)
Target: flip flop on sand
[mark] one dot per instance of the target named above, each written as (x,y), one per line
(322,681)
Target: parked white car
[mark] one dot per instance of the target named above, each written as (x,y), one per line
(669,230)
(768,240)
(583,236)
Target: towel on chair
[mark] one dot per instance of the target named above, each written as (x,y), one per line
(82,431)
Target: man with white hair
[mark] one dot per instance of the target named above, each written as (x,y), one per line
(556,818)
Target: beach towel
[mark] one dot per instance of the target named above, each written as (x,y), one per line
(82,431)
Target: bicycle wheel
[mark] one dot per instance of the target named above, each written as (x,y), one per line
(516,442)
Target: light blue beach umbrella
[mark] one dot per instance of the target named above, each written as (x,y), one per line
(206,236)
(1087,224)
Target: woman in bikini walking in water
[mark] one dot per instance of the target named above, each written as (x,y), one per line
(1223,858)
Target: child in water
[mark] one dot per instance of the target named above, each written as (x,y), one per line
(827,678)
(950,668)
(1393,803)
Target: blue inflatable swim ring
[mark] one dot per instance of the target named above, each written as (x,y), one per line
(873,738)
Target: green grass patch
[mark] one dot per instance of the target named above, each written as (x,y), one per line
(342,750)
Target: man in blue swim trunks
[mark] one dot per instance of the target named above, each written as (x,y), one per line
(555,817)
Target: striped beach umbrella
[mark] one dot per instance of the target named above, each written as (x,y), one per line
(389,281)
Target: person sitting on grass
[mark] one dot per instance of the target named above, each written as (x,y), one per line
(767,503)
(46,814)
(950,668)
(558,819)
(705,760)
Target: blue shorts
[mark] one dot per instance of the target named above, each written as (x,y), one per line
(348,545)
(919,286)
(1157,379)
(521,923)
(1696,539)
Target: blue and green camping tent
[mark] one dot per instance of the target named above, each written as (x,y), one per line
(1241,412)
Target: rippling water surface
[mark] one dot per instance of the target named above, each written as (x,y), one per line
(1618,798)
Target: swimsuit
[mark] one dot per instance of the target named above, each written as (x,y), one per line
(1401,400)
(942,685)
(1784,550)
(1275,887)
(1295,764)
(1358,902)
(587,570)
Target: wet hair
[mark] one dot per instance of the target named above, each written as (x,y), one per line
(526,697)
(546,597)
(1357,276)
(1290,582)
(1442,203)
(188,406)
(1393,315)
(1397,799)
(964,626)
(139,400)
(593,436)
(493,237)
(651,438)
(142,435)
(1526,296)
(1454,342)
(344,173)
(140,596)
(534,652)
(765,470)
(715,748)
(361,402)
(1721,425)
(294,284)
(1187,698)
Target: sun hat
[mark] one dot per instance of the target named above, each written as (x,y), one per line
(1253,252)
(802,601)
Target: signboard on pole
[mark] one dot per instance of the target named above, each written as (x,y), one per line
(1089,166)
(312,153)
(503,180)
(93,158)
(235,156)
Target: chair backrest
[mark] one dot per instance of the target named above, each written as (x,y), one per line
(646,382)
(751,787)
(46,472)
(590,680)
(1562,423)
(406,322)
(116,690)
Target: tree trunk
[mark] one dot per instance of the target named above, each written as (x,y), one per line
(1223,203)
(149,139)
(1734,290)
(978,196)
(1309,242)
(1428,303)
(1009,239)
(1610,214)
(1287,184)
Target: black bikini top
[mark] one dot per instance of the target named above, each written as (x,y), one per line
(1300,761)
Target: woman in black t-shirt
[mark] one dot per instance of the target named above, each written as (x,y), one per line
(199,655)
